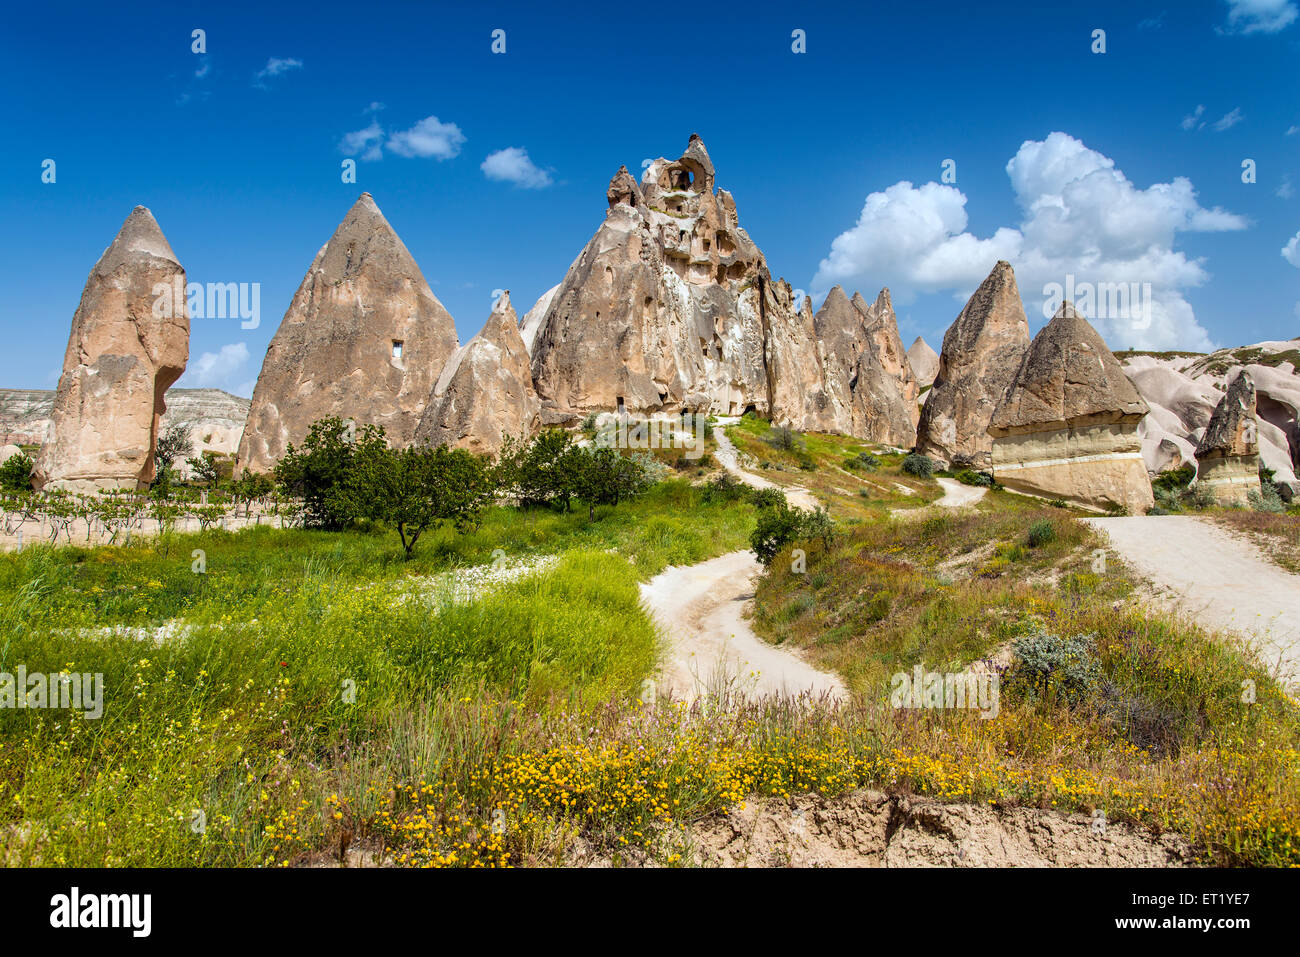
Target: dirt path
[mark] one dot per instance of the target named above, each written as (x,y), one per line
(955,495)
(1219,580)
(726,453)
(711,645)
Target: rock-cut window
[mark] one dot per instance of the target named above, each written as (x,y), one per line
(397,348)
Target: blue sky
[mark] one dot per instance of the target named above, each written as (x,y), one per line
(1117,166)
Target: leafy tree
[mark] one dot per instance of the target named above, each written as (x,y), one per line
(317,470)
(16,473)
(547,471)
(921,466)
(605,477)
(206,468)
(413,489)
(175,443)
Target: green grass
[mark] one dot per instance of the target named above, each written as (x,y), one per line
(151,580)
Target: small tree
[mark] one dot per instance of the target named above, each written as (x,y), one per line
(206,468)
(414,489)
(317,470)
(16,473)
(605,477)
(175,443)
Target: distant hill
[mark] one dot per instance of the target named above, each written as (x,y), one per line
(217,417)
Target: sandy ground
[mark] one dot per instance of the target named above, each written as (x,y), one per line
(1217,579)
(727,455)
(955,495)
(711,646)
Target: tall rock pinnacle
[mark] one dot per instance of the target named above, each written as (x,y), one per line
(130,340)
(364,339)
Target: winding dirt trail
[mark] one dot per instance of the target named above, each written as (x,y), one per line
(1220,581)
(726,453)
(711,645)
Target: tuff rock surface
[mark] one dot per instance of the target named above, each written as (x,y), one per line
(981,354)
(130,340)
(485,392)
(364,339)
(924,361)
(1228,454)
(1067,426)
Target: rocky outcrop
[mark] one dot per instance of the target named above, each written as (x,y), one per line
(531,323)
(982,351)
(1228,454)
(485,391)
(665,309)
(130,340)
(866,374)
(1183,390)
(1067,427)
(364,339)
(924,362)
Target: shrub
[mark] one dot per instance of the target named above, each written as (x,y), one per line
(1201,496)
(1041,533)
(784,439)
(1174,480)
(724,488)
(175,443)
(767,497)
(776,527)
(921,466)
(1167,500)
(972,477)
(1046,664)
(1266,499)
(864,461)
(16,473)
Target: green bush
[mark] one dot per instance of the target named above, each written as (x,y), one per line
(1174,480)
(1041,533)
(1046,665)
(767,497)
(921,466)
(864,461)
(16,473)
(1266,499)
(784,439)
(972,477)
(776,527)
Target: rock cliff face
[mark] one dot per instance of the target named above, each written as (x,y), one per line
(665,309)
(671,307)
(1228,454)
(982,351)
(924,361)
(364,339)
(130,340)
(865,370)
(1067,427)
(485,391)
(1183,390)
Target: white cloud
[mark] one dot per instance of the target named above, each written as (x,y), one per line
(1260,16)
(512,165)
(374,107)
(428,139)
(216,369)
(1285,190)
(204,67)
(368,142)
(1292,130)
(1229,120)
(1081,217)
(1291,251)
(1191,120)
(275,66)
